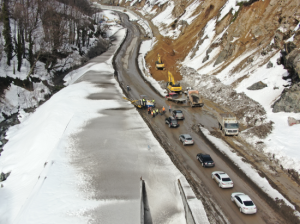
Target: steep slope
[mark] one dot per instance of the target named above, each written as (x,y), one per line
(239,54)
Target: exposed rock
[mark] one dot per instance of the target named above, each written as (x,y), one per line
(289,47)
(205,58)
(291,62)
(270,64)
(278,61)
(3,176)
(289,100)
(257,86)
(292,121)
(250,60)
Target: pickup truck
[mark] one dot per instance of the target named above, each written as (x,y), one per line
(228,124)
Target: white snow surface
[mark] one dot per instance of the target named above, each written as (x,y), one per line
(230,5)
(164,19)
(43,186)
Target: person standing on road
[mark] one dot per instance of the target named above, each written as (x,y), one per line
(157,111)
(128,88)
(149,110)
(152,113)
(144,102)
(170,108)
(163,110)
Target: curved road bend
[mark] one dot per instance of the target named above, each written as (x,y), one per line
(128,73)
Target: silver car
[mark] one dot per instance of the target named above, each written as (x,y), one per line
(244,202)
(186,139)
(222,179)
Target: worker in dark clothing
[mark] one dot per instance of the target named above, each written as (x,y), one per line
(149,110)
(128,88)
(153,113)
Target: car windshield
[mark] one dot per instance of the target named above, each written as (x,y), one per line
(232,125)
(226,179)
(248,203)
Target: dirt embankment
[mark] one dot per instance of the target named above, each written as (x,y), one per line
(254,26)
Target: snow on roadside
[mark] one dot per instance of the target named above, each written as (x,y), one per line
(146,46)
(246,168)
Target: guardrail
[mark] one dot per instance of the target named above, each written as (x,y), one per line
(194,209)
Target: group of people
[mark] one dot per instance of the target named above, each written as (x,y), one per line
(154,112)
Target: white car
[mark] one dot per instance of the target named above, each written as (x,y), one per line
(186,139)
(244,202)
(222,179)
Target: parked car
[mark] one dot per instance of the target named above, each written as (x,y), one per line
(186,139)
(244,202)
(205,160)
(178,114)
(172,122)
(222,179)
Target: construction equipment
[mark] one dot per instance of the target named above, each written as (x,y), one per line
(172,86)
(195,98)
(159,65)
(228,124)
(139,103)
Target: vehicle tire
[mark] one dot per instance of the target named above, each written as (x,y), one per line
(220,186)
(220,126)
(169,125)
(203,164)
(183,144)
(241,210)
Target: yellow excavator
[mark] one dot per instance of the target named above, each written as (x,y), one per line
(159,65)
(172,86)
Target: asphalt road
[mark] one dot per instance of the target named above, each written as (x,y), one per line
(128,74)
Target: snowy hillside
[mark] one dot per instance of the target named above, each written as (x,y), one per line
(222,48)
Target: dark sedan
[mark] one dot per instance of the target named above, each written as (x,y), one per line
(172,122)
(205,160)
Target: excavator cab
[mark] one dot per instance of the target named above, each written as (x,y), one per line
(159,65)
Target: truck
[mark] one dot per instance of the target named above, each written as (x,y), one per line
(195,98)
(228,124)
(175,98)
(172,86)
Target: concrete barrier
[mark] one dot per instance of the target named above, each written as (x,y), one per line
(194,209)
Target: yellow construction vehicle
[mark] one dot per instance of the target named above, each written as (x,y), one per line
(139,103)
(172,86)
(159,65)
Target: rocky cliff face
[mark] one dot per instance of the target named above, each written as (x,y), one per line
(212,36)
